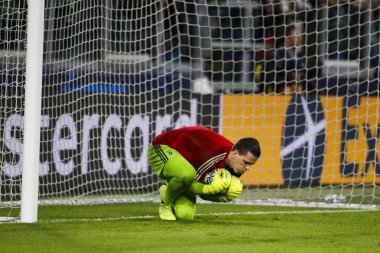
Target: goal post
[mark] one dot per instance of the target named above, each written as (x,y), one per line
(33,90)
(301,78)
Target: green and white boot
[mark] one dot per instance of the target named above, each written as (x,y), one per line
(165,211)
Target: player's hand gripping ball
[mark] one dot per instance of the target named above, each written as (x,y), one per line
(210,176)
(219,180)
(227,187)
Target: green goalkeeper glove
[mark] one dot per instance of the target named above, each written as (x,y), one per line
(220,183)
(233,191)
(236,187)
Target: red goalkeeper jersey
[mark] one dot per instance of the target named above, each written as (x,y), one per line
(202,147)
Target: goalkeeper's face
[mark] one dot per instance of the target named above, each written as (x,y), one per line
(241,163)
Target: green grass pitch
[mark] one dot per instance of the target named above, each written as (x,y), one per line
(216,228)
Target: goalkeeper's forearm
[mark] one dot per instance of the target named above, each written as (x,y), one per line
(219,184)
(198,188)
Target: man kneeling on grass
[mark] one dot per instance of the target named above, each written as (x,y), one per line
(198,161)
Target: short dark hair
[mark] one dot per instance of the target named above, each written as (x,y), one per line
(248,144)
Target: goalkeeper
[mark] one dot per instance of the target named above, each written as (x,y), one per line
(184,157)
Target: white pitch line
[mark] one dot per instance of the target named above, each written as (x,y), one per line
(208,214)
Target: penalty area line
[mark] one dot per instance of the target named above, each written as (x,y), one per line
(146,217)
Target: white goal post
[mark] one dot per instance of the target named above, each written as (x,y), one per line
(33,90)
(86,85)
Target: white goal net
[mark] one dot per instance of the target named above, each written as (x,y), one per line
(300,76)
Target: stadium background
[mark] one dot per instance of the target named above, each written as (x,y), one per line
(95,100)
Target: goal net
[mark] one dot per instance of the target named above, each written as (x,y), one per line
(299,76)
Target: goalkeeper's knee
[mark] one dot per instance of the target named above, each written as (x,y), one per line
(184,209)
(184,213)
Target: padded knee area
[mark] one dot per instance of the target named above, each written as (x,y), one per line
(184,213)
(184,207)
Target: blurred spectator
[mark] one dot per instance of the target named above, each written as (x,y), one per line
(272,21)
(171,33)
(295,10)
(13,25)
(288,69)
(336,28)
(284,67)
(348,28)
(359,28)
(270,25)
(375,39)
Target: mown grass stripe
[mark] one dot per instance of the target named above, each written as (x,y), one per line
(206,214)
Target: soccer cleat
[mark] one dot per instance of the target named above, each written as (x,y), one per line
(165,211)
